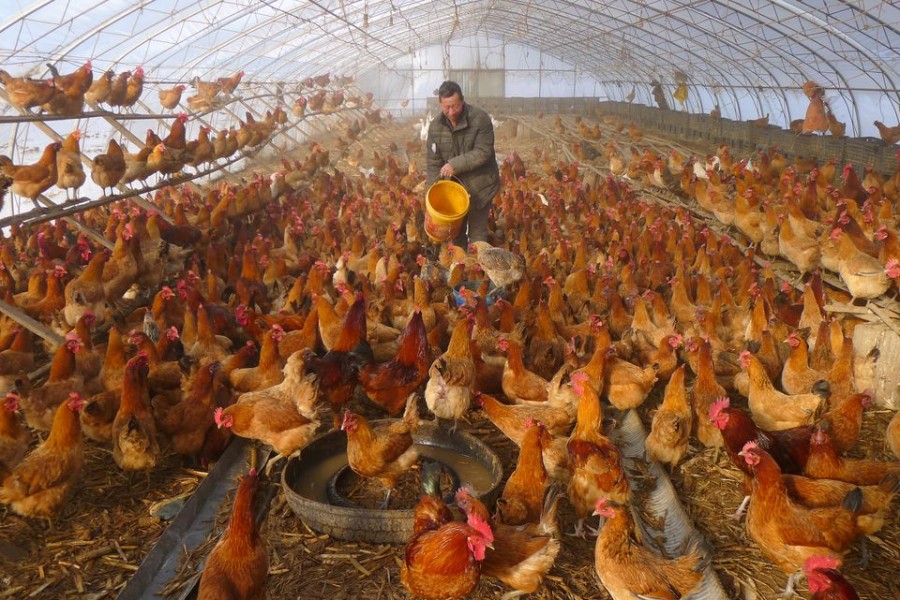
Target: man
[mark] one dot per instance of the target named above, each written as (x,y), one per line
(461,144)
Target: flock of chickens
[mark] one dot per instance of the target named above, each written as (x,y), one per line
(61,162)
(281,299)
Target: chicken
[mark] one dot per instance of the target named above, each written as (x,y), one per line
(595,462)
(705,392)
(134,87)
(796,375)
(42,481)
(864,275)
(522,498)
(121,270)
(451,377)
(135,446)
(70,173)
(772,409)
(890,135)
(30,181)
(444,563)
(892,435)
(338,369)
(825,581)
(816,119)
(388,384)
(825,462)
(520,556)
(501,266)
(108,169)
(788,533)
(98,415)
(386,451)
(269,371)
(282,416)
(25,93)
(85,293)
(169,98)
(100,89)
(70,90)
(238,565)
(18,358)
(39,404)
(511,418)
(520,385)
(187,421)
(14,436)
(629,570)
(228,84)
(627,385)
(672,422)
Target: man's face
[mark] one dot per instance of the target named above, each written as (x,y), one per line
(451,107)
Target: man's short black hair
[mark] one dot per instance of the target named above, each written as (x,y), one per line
(448,88)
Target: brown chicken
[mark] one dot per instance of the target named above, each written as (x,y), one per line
(772,409)
(187,421)
(25,93)
(388,384)
(107,170)
(520,385)
(14,436)
(338,369)
(627,385)
(269,370)
(30,181)
(825,462)
(69,172)
(522,498)
(595,462)
(788,533)
(672,422)
(520,556)
(170,98)
(39,404)
(85,293)
(630,570)
(890,135)
(70,90)
(386,451)
(100,89)
(18,358)
(892,435)
(238,565)
(44,479)
(451,377)
(135,446)
(282,416)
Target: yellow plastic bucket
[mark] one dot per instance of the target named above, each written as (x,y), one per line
(446,205)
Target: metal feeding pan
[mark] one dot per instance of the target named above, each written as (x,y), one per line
(306,482)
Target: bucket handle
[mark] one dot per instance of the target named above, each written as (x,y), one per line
(456,179)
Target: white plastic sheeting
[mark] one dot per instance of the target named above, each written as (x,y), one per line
(750,57)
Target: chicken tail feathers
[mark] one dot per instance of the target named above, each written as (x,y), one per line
(853,501)
(549,524)
(431,479)
(890,483)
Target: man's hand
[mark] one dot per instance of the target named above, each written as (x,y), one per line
(447,170)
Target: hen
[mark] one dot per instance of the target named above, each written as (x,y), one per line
(238,565)
(672,421)
(135,446)
(501,266)
(187,421)
(42,481)
(386,451)
(825,462)
(14,436)
(520,385)
(70,173)
(283,416)
(629,570)
(30,181)
(772,409)
(787,533)
(451,377)
(388,384)
(25,93)
(595,462)
(522,498)
(520,556)
(108,169)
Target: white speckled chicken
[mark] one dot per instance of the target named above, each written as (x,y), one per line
(501,266)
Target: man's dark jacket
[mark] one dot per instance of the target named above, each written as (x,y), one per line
(469,148)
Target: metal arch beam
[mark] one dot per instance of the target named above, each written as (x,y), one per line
(732,6)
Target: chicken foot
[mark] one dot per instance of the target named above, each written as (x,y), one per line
(387,499)
(788,592)
(740,510)
(581,530)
